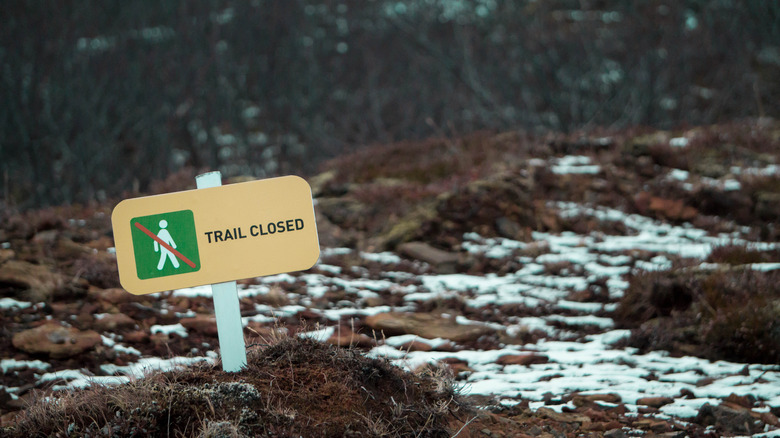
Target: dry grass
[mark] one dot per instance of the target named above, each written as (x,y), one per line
(291,387)
(728,313)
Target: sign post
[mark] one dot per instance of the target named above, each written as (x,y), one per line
(216,235)
(230,331)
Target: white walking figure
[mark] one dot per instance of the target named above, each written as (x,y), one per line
(165,236)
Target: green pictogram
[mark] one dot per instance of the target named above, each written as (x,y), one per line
(165,244)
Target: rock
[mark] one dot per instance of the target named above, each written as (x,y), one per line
(581,400)
(321,184)
(137,336)
(416,346)
(204,324)
(767,205)
(67,248)
(655,402)
(46,237)
(6,254)
(672,209)
(615,433)
(426,325)
(729,419)
(652,424)
(745,401)
(331,235)
(409,227)
(348,338)
(56,341)
(344,212)
(114,321)
(36,282)
(564,417)
(114,295)
(456,365)
(641,144)
(509,229)
(443,262)
(102,243)
(522,359)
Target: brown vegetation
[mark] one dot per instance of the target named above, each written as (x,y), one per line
(292,387)
(727,313)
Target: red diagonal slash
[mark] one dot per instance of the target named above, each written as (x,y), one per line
(164,245)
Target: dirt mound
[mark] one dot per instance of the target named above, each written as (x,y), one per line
(296,387)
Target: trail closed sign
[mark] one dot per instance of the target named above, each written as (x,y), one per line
(215,235)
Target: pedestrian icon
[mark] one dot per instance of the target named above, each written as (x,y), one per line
(165,236)
(159,254)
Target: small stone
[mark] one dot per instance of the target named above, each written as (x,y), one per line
(425,325)
(615,433)
(348,338)
(37,283)
(113,295)
(442,261)
(672,209)
(581,400)
(114,321)
(6,254)
(137,336)
(564,417)
(416,346)
(204,324)
(522,359)
(733,420)
(655,402)
(55,340)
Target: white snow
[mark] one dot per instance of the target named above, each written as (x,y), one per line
(12,364)
(169,329)
(7,303)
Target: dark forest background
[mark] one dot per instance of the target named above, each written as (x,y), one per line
(100,98)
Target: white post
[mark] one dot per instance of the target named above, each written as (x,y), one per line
(225,296)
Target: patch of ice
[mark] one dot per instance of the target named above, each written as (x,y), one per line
(326,252)
(198,291)
(679,175)
(579,306)
(149,364)
(280,278)
(606,271)
(398,341)
(169,329)
(253,290)
(12,364)
(336,270)
(7,303)
(574,164)
(320,335)
(555,282)
(617,260)
(598,321)
(684,408)
(573,255)
(381,257)
(678,142)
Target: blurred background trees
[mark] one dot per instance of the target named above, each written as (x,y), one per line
(99,98)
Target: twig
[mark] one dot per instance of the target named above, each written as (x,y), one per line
(464,426)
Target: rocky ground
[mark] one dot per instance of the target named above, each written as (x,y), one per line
(593,284)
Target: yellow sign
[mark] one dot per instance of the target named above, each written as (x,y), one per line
(214,235)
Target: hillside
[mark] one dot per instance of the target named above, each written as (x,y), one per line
(600,283)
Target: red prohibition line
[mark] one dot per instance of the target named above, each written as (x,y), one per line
(164,245)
